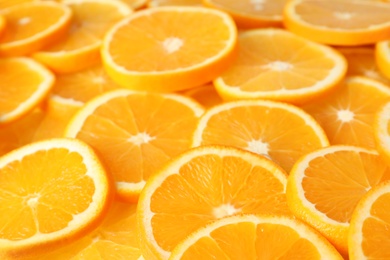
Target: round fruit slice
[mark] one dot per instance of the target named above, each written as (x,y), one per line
(369,236)
(24,83)
(135,133)
(201,185)
(284,67)
(255,237)
(278,130)
(51,193)
(382,57)
(169,48)
(32,26)
(81,47)
(382,131)
(325,186)
(347,23)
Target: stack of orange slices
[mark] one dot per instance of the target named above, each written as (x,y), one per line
(202,129)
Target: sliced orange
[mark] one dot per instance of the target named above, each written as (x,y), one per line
(369,236)
(284,67)
(83,85)
(202,185)
(135,133)
(362,62)
(205,95)
(81,47)
(278,130)
(250,14)
(169,48)
(24,83)
(51,193)
(8,3)
(156,3)
(115,238)
(325,186)
(255,237)
(382,131)
(347,114)
(347,23)
(382,57)
(32,26)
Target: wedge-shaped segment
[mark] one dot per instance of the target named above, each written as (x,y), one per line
(169,48)
(255,237)
(278,130)
(32,26)
(135,133)
(24,83)
(276,64)
(370,222)
(325,186)
(51,192)
(347,23)
(80,49)
(202,185)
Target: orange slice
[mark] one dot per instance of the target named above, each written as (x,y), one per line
(156,3)
(251,14)
(368,234)
(81,47)
(325,186)
(346,23)
(163,49)
(382,57)
(8,3)
(347,114)
(135,133)
(32,26)
(255,237)
(205,95)
(202,185)
(278,130)
(24,83)
(115,238)
(362,62)
(52,192)
(382,132)
(284,67)
(83,85)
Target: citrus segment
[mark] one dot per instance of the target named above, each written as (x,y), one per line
(284,67)
(278,130)
(347,23)
(204,184)
(324,187)
(255,237)
(347,114)
(169,48)
(135,133)
(368,234)
(81,47)
(32,26)
(251,14)
(382,131)
(24,83)
(55,190)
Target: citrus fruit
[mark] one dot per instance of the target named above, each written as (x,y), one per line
(255,237)
(382,57)
(251,14)
(206,95)
(24,83)
(202,185)
(344,23)
(51,192)
(368,233)
(32,26)
(324,187)
(81,47)
(169,48)
(135,133)
(156,3)
(381,131)
(347,114)
(284,67)
(278,130)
